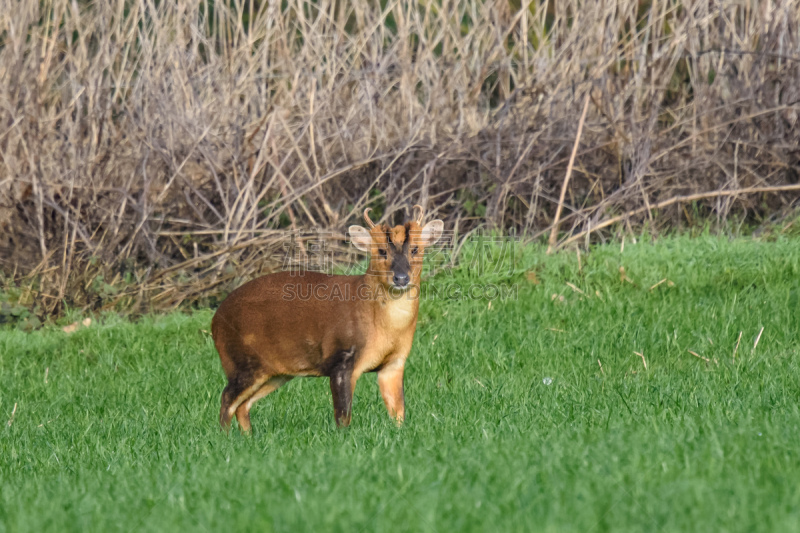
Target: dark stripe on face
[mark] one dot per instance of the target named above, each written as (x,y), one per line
(400,264)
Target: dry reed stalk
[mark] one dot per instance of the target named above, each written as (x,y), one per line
(680,199)
(554,230)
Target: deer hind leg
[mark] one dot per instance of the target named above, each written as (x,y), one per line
(343,385)
(390,382)
(243,411)
(241,386)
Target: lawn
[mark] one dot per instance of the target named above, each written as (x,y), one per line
(534,413)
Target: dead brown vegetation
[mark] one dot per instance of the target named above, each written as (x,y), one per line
(172,145)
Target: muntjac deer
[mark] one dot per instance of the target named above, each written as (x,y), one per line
(283,325)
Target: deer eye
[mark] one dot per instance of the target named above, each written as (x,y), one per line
(414,251)
(381,252)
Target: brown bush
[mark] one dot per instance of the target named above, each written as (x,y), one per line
(172,145)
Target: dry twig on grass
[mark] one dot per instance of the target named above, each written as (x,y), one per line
(758,338)
(640,354)
(736,348)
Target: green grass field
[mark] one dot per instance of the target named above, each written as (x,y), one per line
(512,423)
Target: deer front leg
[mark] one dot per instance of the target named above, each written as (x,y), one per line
(342,387)
(390,381)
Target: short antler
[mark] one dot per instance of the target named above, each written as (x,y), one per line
(366,217)
(418,213)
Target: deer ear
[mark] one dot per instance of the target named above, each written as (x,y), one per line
(432,232)
(360,238)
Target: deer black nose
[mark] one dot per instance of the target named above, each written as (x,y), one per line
(401,280)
